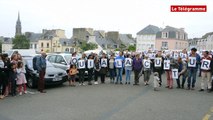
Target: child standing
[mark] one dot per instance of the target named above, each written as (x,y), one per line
(13,78)
(156,81)
(72,75)
(21,79)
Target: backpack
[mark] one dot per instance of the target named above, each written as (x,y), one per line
(34,62)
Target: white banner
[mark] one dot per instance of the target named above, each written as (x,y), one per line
(192,62)
(90,63)
(175,73)
(81,64)
(166,65)
(146,64)
(118,63)
(205,65)
(158,62)
(103,62)
(128,62)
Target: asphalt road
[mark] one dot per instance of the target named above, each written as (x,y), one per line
(109,102)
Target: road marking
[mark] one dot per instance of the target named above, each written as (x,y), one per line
(32,93)
(209,114)
(206,117)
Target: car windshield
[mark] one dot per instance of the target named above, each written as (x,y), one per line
(68,58)
(9,52)
(30,63)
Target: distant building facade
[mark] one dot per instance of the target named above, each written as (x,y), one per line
(146,38)
(171,38)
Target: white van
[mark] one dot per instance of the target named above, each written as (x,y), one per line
(23,52)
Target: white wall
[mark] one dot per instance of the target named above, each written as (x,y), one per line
(145,42)
(6,47)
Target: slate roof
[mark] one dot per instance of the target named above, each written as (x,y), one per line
(150,29)
(7,40)
(66,42)
(126,39)
(33,37)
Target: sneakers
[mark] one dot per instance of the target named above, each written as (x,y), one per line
(2,97)
(201,90)
(96,83)
(20,93)
(25,92)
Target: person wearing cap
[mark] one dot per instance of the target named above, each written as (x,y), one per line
(41,66)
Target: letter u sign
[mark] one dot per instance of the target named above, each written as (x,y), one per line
(192,62)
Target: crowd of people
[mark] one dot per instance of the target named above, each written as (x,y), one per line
(178,66)
(12,74)
(174,64)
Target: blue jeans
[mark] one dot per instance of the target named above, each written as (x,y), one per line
(128,75)
(112,74)
(192,77)
(119,74)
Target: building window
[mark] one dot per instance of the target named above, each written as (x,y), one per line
(165,34)
(35,45)
(176,35)
(42,44)
(67,50)
(31,46)
(164,44)
(48,45)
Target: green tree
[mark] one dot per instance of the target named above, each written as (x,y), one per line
(88,46)
(122,46)
(132,48)
(21,42)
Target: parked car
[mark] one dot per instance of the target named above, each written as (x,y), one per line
(23,52)
(53,76)
(62,61)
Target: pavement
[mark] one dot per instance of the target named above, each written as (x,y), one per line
(109,102)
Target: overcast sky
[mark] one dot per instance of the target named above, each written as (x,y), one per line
(125,16)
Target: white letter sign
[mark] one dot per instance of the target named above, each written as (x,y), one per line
(103,62)
(192,62)
(175,73)
(118,63)
(166,65)
(158,62)
(74,60)
(81,64)
(205,65)
(90,63)
(146,64)
(128,62)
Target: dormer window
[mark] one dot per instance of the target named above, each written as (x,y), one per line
(165,34)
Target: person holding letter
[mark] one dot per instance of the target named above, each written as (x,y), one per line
(171,61)
(90,68)
(206,71)
(193,61)
(112,69)
(137,67)
(81,69)
(158,65)
(146,69)
(104,67)
(119,60)
(182,71)
(128,68)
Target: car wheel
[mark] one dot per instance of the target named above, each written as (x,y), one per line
(31,83)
